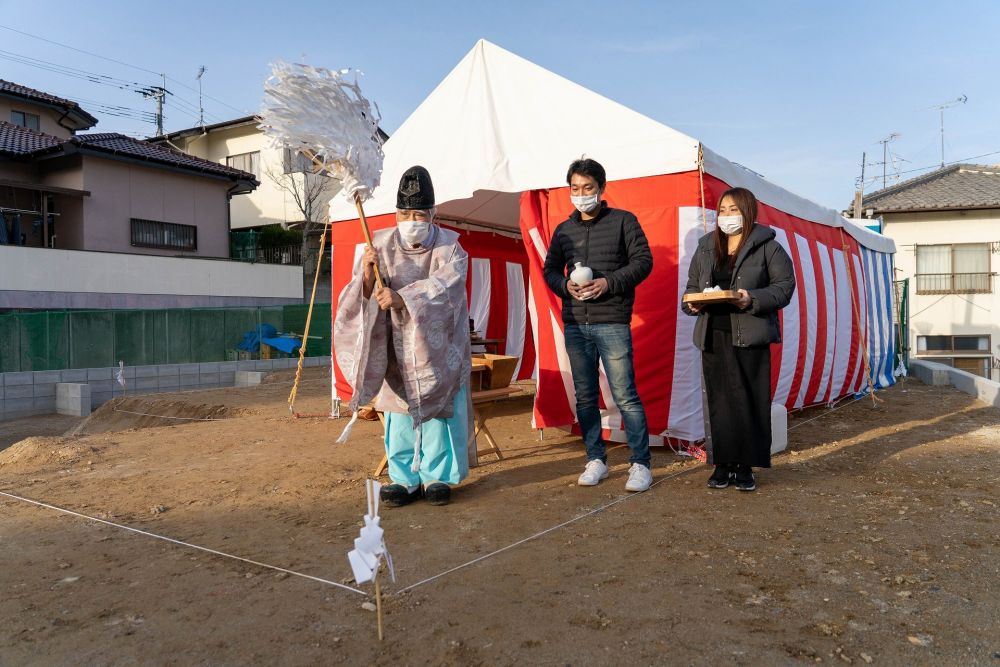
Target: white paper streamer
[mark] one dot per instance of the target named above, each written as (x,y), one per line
(369,548)
(322,111)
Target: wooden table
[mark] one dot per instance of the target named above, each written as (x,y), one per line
(482,402)
(489,342)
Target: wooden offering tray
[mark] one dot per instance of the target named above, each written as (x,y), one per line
(725,296)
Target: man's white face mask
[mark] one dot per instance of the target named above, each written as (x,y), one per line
(414,232)
(730,224)
(586,203)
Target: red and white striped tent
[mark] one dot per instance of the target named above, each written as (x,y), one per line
(497,135)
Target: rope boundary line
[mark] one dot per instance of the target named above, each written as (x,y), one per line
(182,543)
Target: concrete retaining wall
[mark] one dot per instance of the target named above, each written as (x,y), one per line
(34,392)
(936,374)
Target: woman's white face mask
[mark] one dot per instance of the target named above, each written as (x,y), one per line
(731,224)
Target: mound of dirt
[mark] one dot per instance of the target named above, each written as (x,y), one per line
(128,413)
(39,451)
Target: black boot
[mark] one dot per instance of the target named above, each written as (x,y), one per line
(396,495)
(438,494)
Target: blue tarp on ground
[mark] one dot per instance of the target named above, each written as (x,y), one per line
(251,339)
(286,343)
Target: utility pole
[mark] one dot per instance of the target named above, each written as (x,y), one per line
(201,108)
(859,193)
(941,107)
(158,93)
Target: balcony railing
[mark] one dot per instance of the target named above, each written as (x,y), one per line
(954,283)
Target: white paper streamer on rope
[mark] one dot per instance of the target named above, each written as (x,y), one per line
(370,549)
(323,111)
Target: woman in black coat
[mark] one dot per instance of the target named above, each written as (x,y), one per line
(734,338)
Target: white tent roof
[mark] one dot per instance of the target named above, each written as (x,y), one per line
(499,125)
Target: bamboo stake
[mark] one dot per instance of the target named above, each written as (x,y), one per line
(309,314)
(378,602)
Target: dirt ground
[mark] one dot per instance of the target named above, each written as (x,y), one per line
(873,541)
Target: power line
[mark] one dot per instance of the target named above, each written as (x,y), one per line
(89,53)
(126,64)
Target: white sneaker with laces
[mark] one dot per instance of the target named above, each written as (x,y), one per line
(593,473)
(639,478)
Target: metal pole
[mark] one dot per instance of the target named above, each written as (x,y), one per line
(942,138)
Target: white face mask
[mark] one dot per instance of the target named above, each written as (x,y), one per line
(731,224)
(586,203)
(414,231)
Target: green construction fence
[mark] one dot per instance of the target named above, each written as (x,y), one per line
(56,340)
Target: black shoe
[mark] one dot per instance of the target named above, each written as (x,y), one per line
(721,478)
(438,494)
(744,479)
(396,495)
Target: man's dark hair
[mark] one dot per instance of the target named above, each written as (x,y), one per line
(588,167)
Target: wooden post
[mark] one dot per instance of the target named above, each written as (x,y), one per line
(378,602)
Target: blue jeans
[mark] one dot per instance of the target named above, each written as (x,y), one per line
(612,345)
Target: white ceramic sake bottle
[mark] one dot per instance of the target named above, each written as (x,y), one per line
(581,274)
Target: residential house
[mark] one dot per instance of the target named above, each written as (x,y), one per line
(108,221)
(946,225)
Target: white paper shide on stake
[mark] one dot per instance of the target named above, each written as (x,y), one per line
(369,549)
(321,113)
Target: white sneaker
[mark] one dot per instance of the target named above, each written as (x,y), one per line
(639,478)
(593,473)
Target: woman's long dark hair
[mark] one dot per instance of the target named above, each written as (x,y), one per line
(747,203)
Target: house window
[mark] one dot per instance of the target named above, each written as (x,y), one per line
(967,353)
(248,162)
(297,163)
(962,268)
(949,344)
(166,235)
(25,119)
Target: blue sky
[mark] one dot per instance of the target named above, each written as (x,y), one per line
(793,90)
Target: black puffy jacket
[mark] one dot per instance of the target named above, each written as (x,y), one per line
(764,270)
(615,247)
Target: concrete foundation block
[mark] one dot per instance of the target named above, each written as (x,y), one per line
(99,374)
(170,382)
(18,391)
(246,365)
(188,379)
(47,389)
(930,372)
(263,365)
(167,370)
(144,383)
(46,377)
(18,379)
(227,379)
(228,367)
(209,367)
(209,378)
(73,399)
(44,405)
(145,372)
(249,378)
(187,369)
(73,375)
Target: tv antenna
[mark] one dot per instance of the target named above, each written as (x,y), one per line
(941,107)
(885,153)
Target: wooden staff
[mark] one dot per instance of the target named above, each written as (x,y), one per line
(361,214)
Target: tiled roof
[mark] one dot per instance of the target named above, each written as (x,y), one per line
(20,141)
(16,89)
(119,144)
(956,187)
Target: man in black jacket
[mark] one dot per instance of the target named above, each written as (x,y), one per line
(597,314)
